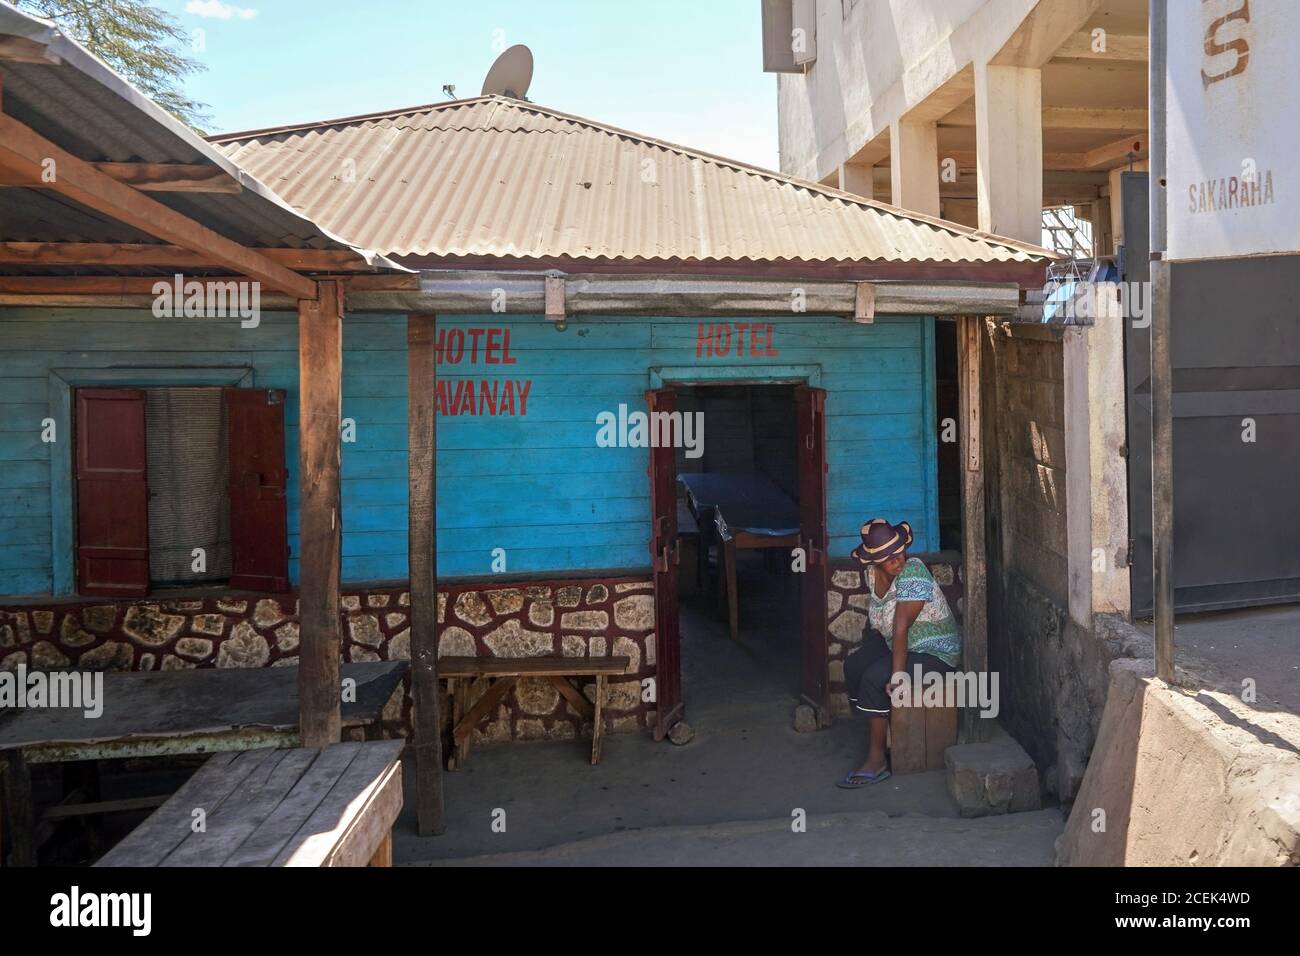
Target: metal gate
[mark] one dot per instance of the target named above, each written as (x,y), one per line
(1236,406)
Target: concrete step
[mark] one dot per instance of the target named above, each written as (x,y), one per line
(863,838)
(992,778)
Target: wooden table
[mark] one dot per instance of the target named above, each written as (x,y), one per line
(165,713)
(306,806)
(746,512)
(505,672)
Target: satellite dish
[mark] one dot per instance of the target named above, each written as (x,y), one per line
(511,73)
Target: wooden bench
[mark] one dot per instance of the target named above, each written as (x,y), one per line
(918,736)
(304,806)
(504,672)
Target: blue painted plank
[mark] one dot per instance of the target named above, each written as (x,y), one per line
(20,390)
(25,581)
(539,478)
(25,474)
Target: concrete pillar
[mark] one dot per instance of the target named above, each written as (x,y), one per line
(1009,150)
(857,178)
(1103,237)
(914,165)
(1108,443)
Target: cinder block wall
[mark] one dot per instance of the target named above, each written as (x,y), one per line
(1053,672)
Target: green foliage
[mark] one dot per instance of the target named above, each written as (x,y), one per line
(141,42)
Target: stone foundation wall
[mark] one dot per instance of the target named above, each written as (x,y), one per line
(847,601)
(574,618)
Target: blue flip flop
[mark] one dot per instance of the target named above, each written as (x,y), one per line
(862,778)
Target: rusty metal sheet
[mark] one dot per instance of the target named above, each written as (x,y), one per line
(492,176)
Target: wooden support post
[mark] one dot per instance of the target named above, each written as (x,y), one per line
(320,370)
(19,812)
(422,554)
(975,654)
(864,303)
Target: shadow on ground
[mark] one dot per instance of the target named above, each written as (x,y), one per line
(728,796)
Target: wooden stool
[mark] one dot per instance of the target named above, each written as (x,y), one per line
(918,736)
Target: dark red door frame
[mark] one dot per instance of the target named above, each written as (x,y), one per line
(664,556)
(810,410)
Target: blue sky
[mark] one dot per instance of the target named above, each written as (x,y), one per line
(688,71)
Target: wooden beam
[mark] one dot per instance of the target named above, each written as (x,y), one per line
(320,370)
(1042,31)
(864,303)
(22,50)
(965,159)
(975,655)
(422,555)
(136,254)
(1116,153)
(147,177)
(1117,47)
(26,150)
(1066,117)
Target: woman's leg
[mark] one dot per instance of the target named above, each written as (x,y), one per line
(872,648)
(873,701)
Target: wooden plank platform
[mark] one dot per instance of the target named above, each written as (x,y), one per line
(305,806)
(531,666)
(163,712)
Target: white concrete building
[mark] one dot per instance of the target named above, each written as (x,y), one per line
(987,112)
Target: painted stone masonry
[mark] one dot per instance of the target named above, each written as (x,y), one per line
(592,617)
(574,618)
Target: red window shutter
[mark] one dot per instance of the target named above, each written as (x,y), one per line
(259,525)
(112,493)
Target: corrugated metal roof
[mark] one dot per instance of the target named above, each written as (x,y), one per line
(79,103)
(497,177)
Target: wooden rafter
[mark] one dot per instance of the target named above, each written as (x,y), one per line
(22,50)
(148,177)
(1133,120)
(143,255)
(25,150)
(1113,47)
(1114,153)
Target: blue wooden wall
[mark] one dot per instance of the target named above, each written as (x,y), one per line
(535,485)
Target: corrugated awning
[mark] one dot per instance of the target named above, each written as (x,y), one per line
(55,87)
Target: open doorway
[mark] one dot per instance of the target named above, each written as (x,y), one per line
(748,530)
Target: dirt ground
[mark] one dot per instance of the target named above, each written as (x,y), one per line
(1261,643)
(727,797)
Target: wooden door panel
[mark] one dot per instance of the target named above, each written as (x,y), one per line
(112,492)
(258,510)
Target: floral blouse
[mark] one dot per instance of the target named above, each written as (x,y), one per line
(934,631)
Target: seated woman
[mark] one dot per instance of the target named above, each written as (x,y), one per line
(910,624)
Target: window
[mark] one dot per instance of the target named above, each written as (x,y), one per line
(789,35)
(178,486)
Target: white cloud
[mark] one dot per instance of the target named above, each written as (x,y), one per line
(216,10)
